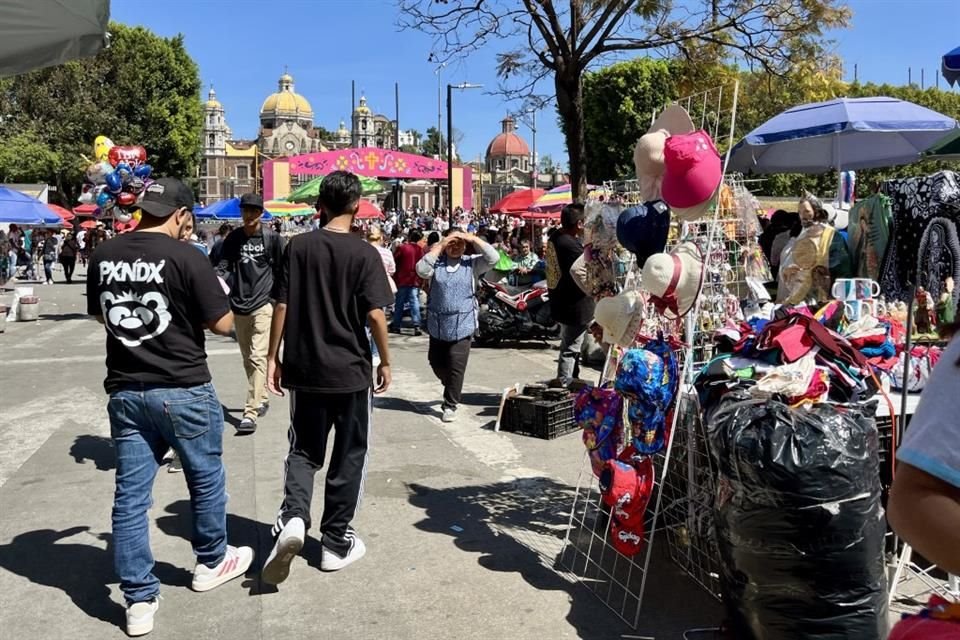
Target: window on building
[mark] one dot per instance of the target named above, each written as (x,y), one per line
(514,164)
(500,163)
(363,124)
(203,167)
(415,202)
(212,140)
(243,172)
(526,165)
(211,119)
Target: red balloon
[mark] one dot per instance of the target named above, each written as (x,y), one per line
(132,155)
(126,199)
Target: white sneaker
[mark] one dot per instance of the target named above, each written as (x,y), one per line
(330,561)
(234,564)
(449,415)
(288,545)
(140,617)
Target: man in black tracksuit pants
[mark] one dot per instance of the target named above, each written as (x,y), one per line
(331,285)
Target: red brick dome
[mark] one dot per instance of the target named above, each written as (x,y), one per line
(507,143)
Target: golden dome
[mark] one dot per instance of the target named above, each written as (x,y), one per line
(212,102)
(362,108)
(286,101)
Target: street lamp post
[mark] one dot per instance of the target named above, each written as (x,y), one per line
(533,129)
(450,88)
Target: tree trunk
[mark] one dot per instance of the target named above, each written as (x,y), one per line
(570,105)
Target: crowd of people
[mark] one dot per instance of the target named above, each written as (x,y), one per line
(295,303)
(27,253)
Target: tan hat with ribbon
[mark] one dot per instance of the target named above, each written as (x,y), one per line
(674,279)
(648,152)
(621,317)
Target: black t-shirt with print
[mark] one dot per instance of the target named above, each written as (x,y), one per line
(329,282)
(155,295)
(248,264)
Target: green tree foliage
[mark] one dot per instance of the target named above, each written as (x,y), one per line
(143,89)
(618,102)
(435,144)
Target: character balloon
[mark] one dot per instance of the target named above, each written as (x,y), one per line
(101,148)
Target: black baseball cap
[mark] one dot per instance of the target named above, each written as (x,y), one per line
(252,200)
(164,196)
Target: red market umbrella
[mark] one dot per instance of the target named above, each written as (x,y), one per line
(85,209)
(517,201)
(540,215)
(88,224)
(368,210)
(65,215)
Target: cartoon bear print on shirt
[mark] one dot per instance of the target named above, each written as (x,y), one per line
(132,319)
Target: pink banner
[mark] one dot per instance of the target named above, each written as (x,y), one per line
(371,162)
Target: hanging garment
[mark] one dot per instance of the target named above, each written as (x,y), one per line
(924,247)
(868,234)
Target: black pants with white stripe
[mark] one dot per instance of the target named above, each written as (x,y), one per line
(312,416)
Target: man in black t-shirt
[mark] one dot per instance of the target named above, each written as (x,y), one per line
(249,260)
(331,285)
(569,305)
(155,295)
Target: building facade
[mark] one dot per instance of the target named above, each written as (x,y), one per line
(228,167)
(286,123)
(371,129)
(508,157)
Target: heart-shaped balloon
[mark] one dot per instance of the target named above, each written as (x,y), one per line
(130,154)
(126,199)
(143,171)
(114,182)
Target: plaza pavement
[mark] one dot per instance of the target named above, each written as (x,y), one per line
(463,525)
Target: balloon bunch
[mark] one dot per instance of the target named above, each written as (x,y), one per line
(115,182)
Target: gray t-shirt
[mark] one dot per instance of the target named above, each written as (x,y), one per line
(932,441)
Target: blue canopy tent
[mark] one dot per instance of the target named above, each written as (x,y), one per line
(228,209)
(951,66)
(841,134)
(19,208)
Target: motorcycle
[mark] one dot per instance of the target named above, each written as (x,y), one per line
(514,313)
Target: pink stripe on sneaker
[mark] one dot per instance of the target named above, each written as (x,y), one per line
(227,566)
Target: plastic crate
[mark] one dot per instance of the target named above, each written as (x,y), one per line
(545,419)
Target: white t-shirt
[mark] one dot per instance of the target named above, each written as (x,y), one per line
(932,440)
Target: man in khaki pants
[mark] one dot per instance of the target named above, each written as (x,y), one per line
(249,261)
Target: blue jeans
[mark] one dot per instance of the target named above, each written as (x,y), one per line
(144,422)
(405,296)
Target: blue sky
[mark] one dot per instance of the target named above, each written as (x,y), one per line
(242,46)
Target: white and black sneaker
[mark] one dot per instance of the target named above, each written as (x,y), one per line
(140,617)
(247,425)
(332,561)
(288,545)
(263,409)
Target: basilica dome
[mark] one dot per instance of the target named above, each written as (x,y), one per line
(286,103)
(507,143)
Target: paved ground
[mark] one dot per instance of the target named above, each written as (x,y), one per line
(463,525)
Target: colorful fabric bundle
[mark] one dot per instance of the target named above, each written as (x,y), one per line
(626,488)
(648,377)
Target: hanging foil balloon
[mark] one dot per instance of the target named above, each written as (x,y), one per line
(124,171)
(130,154)
(119,215)
(114,183)
(104,199)
(143,171)
(135,185)
(126,199)
(101,148)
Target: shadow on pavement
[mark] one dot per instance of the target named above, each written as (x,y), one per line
(58,317)
(241,532)
(516,527)
(399,404)
(99,449)
(231,419)
(82,570)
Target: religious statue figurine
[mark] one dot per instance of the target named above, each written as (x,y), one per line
(923,317)
(946,310)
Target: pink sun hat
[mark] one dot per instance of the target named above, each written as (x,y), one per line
(692,174)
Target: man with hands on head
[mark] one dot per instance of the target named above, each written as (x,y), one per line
(452,308)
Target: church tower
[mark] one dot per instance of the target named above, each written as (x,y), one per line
(215,130)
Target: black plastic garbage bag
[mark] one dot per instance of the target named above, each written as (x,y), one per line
(799,522)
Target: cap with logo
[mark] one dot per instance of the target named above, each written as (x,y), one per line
(164,196)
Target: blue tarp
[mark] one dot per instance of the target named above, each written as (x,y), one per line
(228,209)
(19,208)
